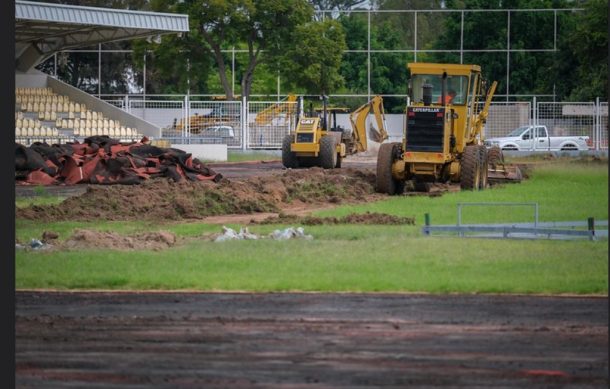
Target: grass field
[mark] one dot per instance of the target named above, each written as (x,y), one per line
(358,258)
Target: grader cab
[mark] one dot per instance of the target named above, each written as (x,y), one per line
(443,133)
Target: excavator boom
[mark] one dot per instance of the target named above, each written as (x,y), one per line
(358,122)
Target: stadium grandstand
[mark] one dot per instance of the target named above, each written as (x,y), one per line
(51,111)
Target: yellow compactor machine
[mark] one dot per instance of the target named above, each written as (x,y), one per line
(319,141)
(442,136)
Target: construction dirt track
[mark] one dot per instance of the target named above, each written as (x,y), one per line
(290,340)
(294,340)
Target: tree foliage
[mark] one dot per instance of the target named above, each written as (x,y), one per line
(316,59)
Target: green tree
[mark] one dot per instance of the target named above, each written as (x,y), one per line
(316,59)
(264,28)
(581,65)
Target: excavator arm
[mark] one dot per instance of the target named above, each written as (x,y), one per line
(265,116)
(481,118)
(358,122)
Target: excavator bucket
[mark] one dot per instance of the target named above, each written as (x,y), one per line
(375,135)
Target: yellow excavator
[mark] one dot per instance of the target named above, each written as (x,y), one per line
(319,141)
(286,106)
(444,132)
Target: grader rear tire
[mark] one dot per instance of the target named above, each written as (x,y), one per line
(385,182)
(328,152)
(484,167)
(470,176)
(495,157)
(289,159)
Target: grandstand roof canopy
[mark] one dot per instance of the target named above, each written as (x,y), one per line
(42,29)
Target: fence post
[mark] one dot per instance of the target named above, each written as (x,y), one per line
(187,117)
(244,123)
(427,224)
(598,124)
(591,228)
(535,112)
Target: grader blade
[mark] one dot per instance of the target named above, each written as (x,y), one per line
(499,174)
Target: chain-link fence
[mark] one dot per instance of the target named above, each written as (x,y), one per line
(504,117)
(269,122)
(264,124)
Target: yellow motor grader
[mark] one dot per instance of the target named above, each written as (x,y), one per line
(319,141)
(443,132)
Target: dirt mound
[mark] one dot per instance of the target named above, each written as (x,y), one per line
(88,239)
(167,200)
(354,218)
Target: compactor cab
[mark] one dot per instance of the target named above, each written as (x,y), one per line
(443,130)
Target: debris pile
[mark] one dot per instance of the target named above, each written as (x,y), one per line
(244,234)
(103,160)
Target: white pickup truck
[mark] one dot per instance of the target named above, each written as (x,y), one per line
(525,138)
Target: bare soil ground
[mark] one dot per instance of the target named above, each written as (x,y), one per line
(194,340)
(272,190)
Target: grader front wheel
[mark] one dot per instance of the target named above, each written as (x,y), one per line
(470,176)
(484,166)
(385,181)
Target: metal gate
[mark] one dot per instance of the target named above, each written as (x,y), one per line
(269,122)
(214,122)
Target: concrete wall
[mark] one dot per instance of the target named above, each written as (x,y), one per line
(109,110)
(217,152)
(30,80)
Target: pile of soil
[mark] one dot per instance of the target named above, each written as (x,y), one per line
(88,239)
(354,218)
(167,200)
